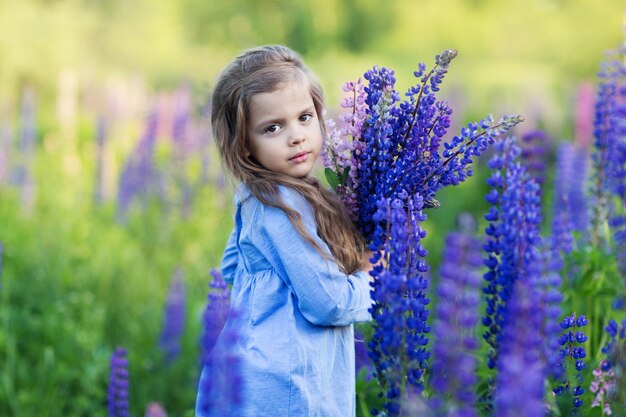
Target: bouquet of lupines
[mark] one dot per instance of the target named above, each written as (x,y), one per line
(384,146)
(386,159)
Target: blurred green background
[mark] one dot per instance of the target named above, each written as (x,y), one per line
(523,55)
(78,279)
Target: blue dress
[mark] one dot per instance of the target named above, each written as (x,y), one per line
(296,310)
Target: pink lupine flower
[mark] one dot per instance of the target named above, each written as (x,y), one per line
(603,383)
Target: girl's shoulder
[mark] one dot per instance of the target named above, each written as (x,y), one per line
(290,197)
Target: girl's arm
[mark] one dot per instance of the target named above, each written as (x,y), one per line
(230,258)
(325,295)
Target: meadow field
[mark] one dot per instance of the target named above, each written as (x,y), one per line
(114,207)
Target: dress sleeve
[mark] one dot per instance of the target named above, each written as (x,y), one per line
(230,258)
(325,295)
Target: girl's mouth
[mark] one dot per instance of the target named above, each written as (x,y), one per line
(300,157)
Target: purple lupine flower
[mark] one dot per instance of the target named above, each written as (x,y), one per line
(342,146)
(362,359)
(607,115)
(602,386)
(454,364)
(216,312)
(137,176)
(221,391)
(117,399)
(573,354)
(616,335)
(101,133)
(533,154)
(182,131)
(613,366)
(521,372)
(512,237)
(23,176)
(569,204)
(550,299)
(562,241)
(173,318)
(398,344)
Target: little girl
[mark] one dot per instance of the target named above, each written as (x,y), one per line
(297,265)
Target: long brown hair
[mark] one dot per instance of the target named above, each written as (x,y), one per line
(262,70)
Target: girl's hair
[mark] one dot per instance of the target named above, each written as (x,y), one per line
(262,70)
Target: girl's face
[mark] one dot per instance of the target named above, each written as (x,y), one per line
(284,133)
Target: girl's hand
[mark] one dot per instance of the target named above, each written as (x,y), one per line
(366,265)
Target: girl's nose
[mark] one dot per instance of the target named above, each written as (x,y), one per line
(297,136)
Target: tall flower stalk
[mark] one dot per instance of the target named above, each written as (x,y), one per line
(512,238)
(605,140)
(398,345)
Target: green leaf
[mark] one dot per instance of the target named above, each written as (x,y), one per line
(344,176)
(331,177)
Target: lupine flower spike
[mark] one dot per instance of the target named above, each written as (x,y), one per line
(400,305)
(118,384)
(173,318)
(512,239)
(453,369)
(573,354)
(520,378)
(222,390)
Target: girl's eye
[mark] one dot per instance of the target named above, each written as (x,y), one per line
(272,129)
(306,117)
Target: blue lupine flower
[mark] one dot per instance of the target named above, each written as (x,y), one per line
(610,146)
(362,359)
(137,177)
(512,237)
(215,313)
(400,310)
(454,364)
(173,318)
(117,398)
(616,335)
(222,390)
(573,354)
(577,196)
(521,372)
(605,147)
(562,241)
